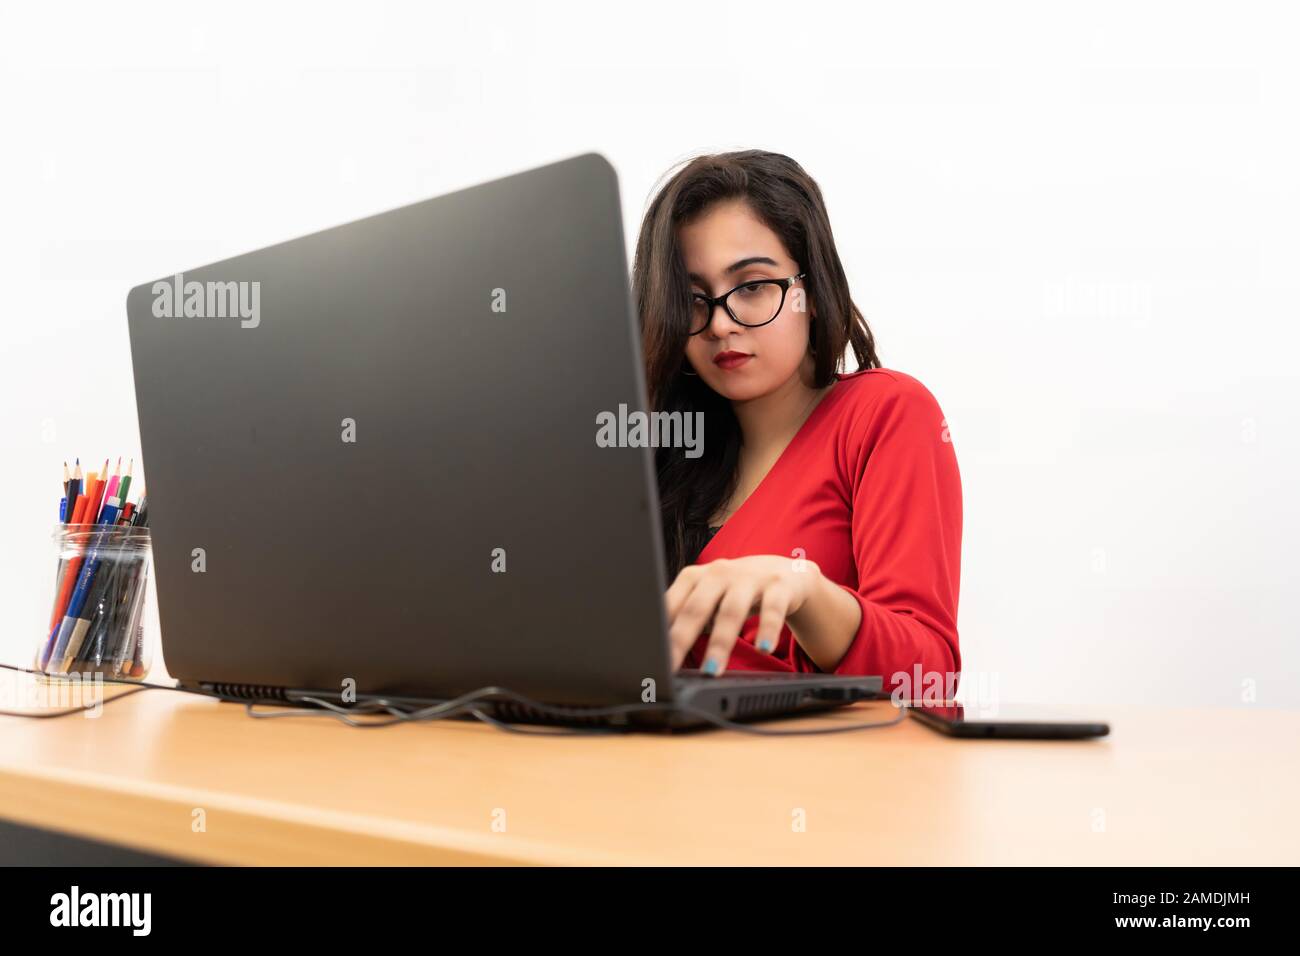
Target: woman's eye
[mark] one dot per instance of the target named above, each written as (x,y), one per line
(750,289)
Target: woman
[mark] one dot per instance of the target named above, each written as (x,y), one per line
(820,531)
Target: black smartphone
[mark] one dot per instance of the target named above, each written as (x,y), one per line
(954,720)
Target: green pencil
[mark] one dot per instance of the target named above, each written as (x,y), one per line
(126,483)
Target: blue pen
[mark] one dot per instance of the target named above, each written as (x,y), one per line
(71,623)
(72,630)
(108,514)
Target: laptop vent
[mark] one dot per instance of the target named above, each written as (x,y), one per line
(756,705)
(516,713)
(247,692)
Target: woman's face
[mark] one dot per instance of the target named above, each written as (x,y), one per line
(724,247)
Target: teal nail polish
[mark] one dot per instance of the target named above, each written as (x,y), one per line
(711,667)
(765,645)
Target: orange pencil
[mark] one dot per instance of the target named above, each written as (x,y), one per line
(74,565)
(92,514)
(92,492)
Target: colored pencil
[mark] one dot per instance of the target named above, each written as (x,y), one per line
(92,517)
(70,575)
(111,491)
(125,487)
(91,493)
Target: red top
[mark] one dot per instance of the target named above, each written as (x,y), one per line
(869,490)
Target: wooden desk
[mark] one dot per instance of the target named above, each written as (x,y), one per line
(1167,787)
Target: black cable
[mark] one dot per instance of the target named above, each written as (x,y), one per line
(70,710)
(467,704)
(324,708)
(138,685)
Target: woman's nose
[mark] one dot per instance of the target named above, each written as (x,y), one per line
(721,323)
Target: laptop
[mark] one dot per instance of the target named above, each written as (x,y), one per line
(373,467)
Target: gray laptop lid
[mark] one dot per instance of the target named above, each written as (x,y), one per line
(382,417)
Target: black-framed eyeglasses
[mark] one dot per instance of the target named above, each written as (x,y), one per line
(756,302)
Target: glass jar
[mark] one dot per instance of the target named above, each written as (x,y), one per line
(97,622)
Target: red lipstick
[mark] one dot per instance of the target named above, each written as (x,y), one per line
(731,359)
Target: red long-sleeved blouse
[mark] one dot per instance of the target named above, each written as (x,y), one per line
(869,490)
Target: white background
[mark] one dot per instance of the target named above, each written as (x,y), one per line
(1077,224)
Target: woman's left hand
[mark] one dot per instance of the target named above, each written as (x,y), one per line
(727,592)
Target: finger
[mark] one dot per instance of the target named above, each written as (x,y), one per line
(693,617)
(680,590)
(733,610)
(771,617)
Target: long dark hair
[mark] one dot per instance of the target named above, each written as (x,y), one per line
(790,203)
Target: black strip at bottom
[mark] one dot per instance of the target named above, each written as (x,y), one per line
(30,846)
